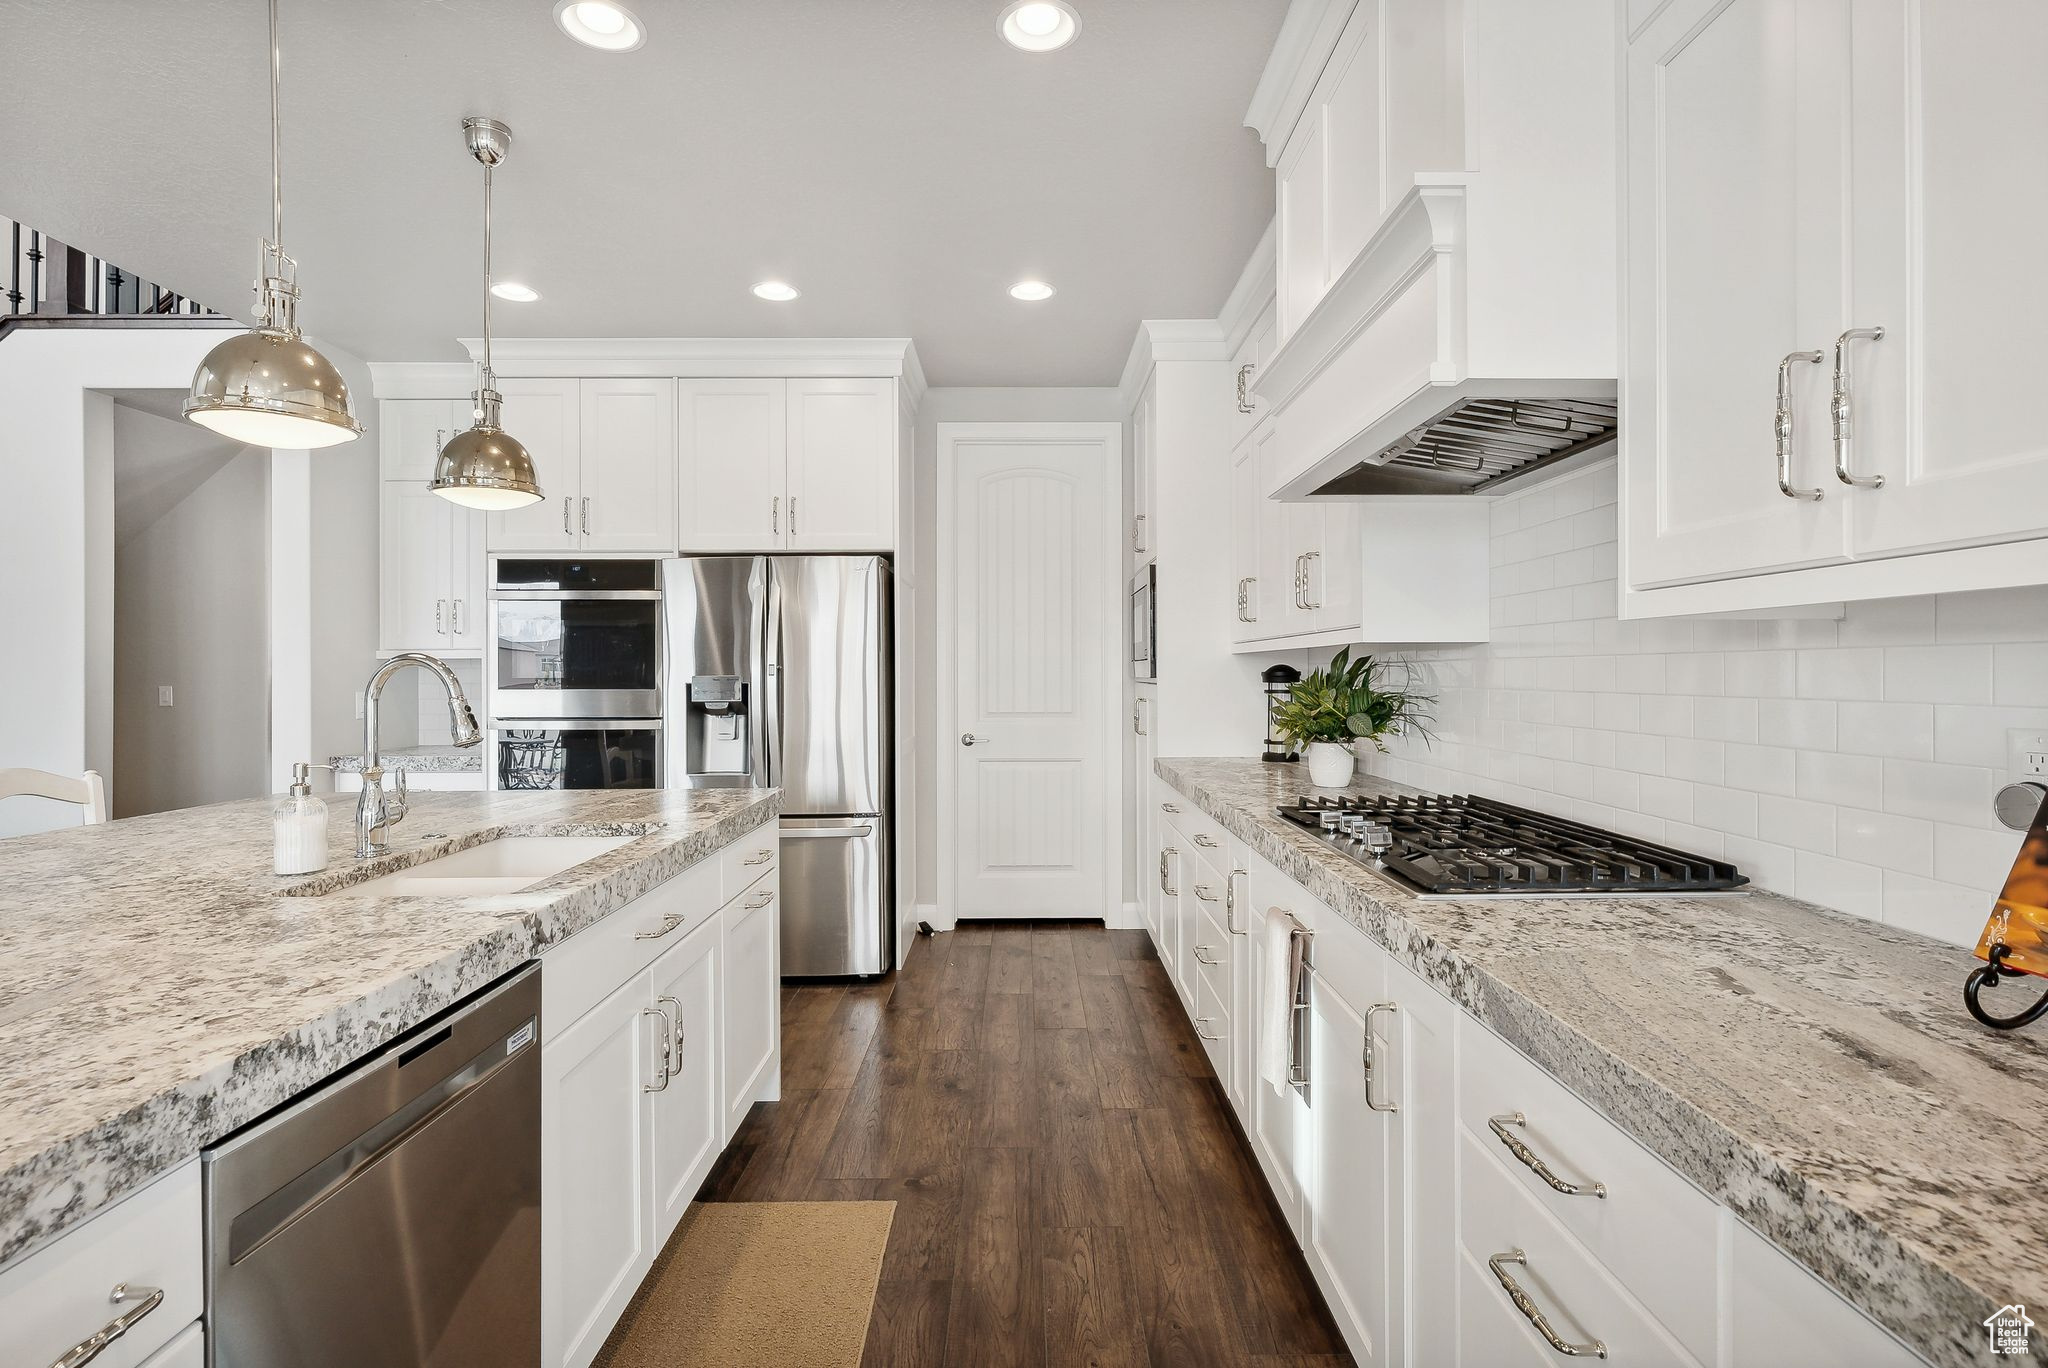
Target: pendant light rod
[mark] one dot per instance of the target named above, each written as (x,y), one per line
(487,276)
(276,162)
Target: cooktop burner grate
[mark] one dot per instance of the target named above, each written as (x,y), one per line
(1464,846)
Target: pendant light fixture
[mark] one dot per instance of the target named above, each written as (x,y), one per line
(268,387)
(486,467)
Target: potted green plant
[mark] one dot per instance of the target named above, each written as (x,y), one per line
(1331,708)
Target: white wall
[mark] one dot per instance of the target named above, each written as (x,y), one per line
(1850,763)
(960,405)
(190,611)
(50,532)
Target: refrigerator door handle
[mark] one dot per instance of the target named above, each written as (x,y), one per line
(771,676)
(845,833)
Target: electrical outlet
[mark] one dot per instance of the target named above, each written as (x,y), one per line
(163,695)
(2026,755)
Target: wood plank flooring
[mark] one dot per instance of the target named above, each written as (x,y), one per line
(1070,1189)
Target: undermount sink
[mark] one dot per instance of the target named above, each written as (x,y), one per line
(506,865)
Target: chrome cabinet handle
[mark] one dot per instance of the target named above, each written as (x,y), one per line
(455,619)
(667,1029)
(759,857)
(440,615)
(1230,902)
(1206,892)
(792,515)
(1308,579)
(89,1348)
(1783,427)
(1138,717)
(1200,1022)
(1534,1162)
(675,1039)
(1210,957)
(566,529)
(1251,598)
(1371,1068)
(1840,407)
(1138,533)
(761,900)
(1164,887)
(1169,808)
(970,739)
(1206,843)
(775,516)
(586,515)
(668,924)
(1301,582)
(1244,399)
(1534,1313)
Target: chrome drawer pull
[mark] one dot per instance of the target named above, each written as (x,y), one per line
(760,857)
(1370,1070)
(668,924)
(88,1349)
(1169,808)
(1209,958)
(1206,843)
(762,900)
(1200,1022)
(1164,886)
(667,1060)
(1499,1126)
(675,1026)
(1206,892)
(1230,903)
(1783,427)
(1534,1314)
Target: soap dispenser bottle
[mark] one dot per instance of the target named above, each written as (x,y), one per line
(299,826)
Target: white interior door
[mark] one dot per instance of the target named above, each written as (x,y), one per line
(1029,588)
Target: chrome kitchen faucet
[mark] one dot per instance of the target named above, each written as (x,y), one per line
(376,811)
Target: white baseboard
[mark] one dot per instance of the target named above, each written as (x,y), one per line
(929,912)
(1130,918)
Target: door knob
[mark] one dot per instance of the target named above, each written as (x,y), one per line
(970,739)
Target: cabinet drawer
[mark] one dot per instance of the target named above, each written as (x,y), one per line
(1212,1017)
(187,1350)
(1653,1229)
(1211,947)
(1575,1294)
(61,1295)
(747,859)
(1197,828)
(583,970)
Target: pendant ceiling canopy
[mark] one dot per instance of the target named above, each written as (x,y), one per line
(270,387)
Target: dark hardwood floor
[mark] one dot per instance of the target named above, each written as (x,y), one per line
(1070,1189)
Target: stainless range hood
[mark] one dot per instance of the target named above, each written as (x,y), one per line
(1479,443)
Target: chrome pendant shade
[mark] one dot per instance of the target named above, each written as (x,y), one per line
(486,467)
(270,387)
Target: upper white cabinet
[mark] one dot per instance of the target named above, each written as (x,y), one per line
(1144,462)
(411,433)
(604,454)
(801,465)
(730,444)
(1829,306)
(431,565)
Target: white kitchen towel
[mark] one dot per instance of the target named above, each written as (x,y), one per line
(1275,1016)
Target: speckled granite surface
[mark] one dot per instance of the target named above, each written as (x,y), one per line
(1815,1072)
(418,760)
(158,990)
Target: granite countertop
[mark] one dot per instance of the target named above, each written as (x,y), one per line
(418,760)
(158,989)
(1815,1072)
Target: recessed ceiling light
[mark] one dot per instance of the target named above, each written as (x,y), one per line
(600,24)
(1039,25)
(1031,291)
(514,291)
(776,291)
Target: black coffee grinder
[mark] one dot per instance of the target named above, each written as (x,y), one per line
(1280,681)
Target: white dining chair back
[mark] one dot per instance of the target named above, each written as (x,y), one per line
(88,791)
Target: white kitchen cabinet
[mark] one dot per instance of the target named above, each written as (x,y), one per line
(1799,180)
(687,1112)
(626,490)
(597,1193)
(842,465)
(411,433)
(1301,233)
(546,416)
(431,570)
(187,1350)
(1144,469)
(731,436)
(1777,1312)
(751,1029)
(1148,821)
(1247,518)
(1279,1125)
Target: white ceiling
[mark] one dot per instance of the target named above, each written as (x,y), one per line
(893,158)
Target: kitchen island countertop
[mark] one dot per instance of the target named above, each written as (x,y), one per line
(1814,1072)
(159,989)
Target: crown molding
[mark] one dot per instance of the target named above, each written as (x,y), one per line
(1168,339)
(685,357)
(422,379)
(914,385)
(1307,38)
(1257,284)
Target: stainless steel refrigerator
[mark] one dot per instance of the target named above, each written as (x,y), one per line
(779,673)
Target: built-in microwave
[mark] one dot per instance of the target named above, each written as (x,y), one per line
(575,638)
(1145,625)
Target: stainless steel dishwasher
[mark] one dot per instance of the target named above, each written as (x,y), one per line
(390,1218)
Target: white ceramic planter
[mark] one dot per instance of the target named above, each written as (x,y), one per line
(1329,764)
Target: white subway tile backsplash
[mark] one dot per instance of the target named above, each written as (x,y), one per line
(1849,761)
